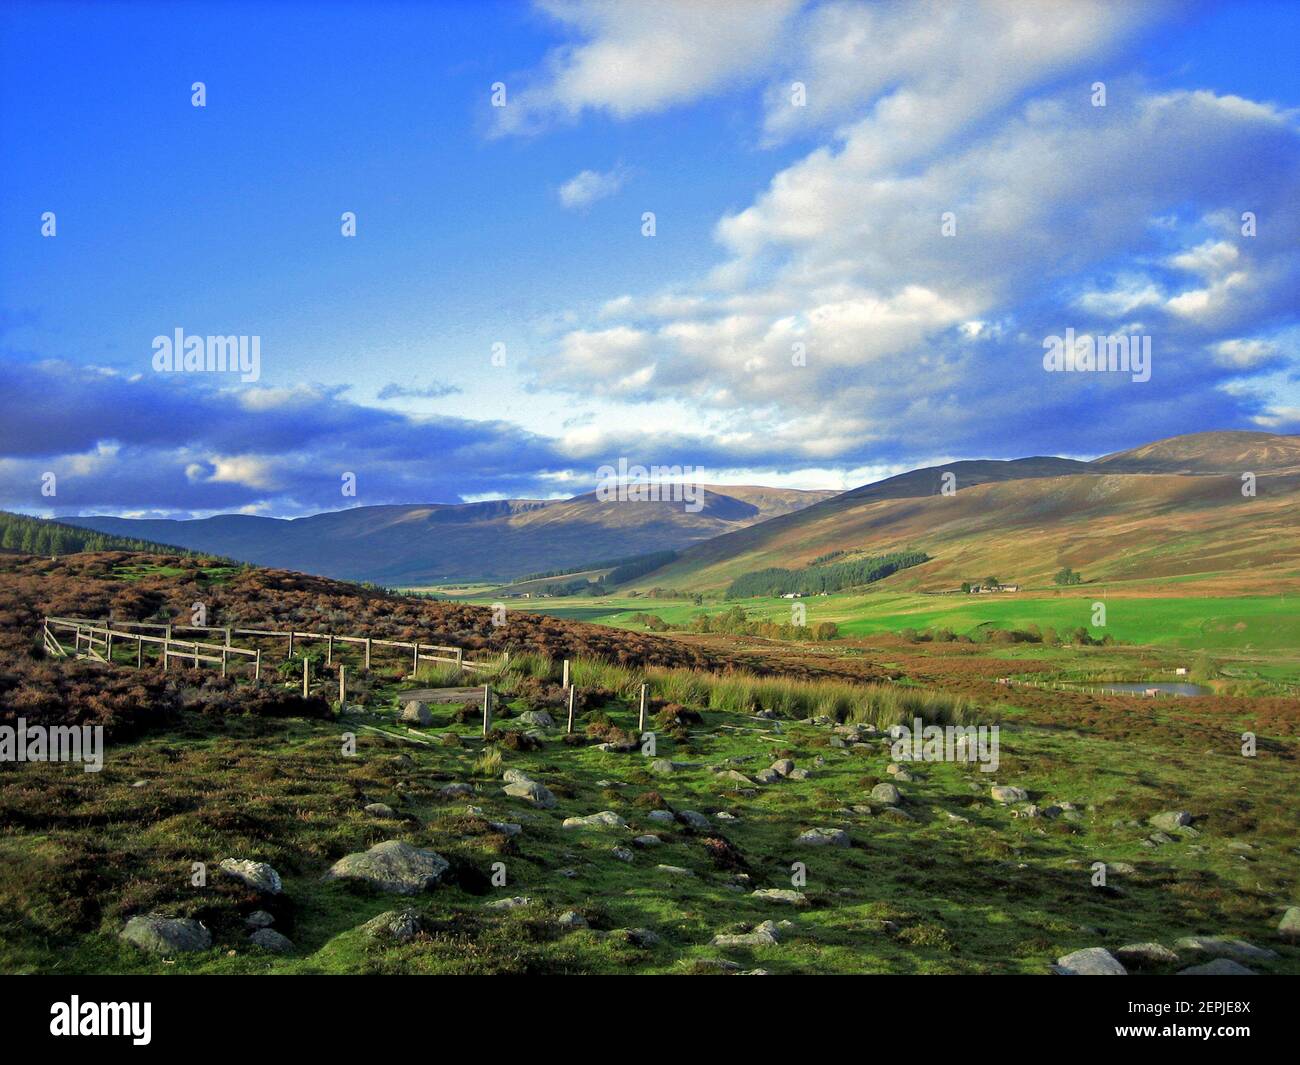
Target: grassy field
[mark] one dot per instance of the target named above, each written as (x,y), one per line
(960,886)
(1244,623)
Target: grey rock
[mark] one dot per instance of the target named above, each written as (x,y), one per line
(1091,961)
(270,939)
(604,819)
(1289,927)
(537,719)
(1006,793)
(571,919)
(379,809)
(508,829)
(693,818)
(786,895)
(415,712)
(1218,967)
(166,935)
(393,867)
(886,795)
(400,926)
(824,837)
(514,903)
(640,937)
(648,840)
(766,776)
(661,767)
(257,875)
(736,777)
(516,776)
(766,934)
(676,870)
(259,919)
(455,791)
(783,766)
(531,792)
(663,816)
(1146,955)
(622,854)
(1225,947)
(1170,820)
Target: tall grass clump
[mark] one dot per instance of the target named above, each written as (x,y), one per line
(530,664)
(440,675)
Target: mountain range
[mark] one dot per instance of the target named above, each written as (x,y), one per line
(1171,510)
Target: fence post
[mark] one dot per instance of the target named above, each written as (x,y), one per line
(306,666)
(329,649)
(415,659)
(196,654)
(166,647)
(290,654)
(565,682)
(108,651)
(227,635)
(487,709)
(367,652)
(257,667)
(572,693)
(139,652)
(223,661)
(640,721)
(460,657)
(343,687)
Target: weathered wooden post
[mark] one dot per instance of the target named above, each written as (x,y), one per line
(367,652)
(343,686)
(166,648)
(564,683)
(196,654)
(306,668)
(487,709)
(257,667)
(228,636)
(460,657)
(168,633)
(415,659)
(139,652)
(572,693)
(108,652)
(329,649)
(290,654)
(223,661)
(640,721)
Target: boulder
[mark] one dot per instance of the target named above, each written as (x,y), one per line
(663,816)
(886,795)
(508,904)
(166,935)
(257,875)
(270,939)
(1146,955)
(1218,967)
(622,854)
(455,791)
(693,818)
(537,719)
(1170,820)
(765,935)
(1225,947)
(392,866)
(783,766)
(786,895)
(379,809)
(1091,961)
(531,792)
(824,837)
(661,767)
(401,926)
(571,919)
(1006,793)
(415,712)
(1289,927)
(259,919)
(604,819)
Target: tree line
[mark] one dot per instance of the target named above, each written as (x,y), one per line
(828,578)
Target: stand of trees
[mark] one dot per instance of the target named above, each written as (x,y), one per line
(829,578)
(40,536)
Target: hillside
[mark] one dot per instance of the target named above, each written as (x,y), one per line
(1171,510)
(20,534)
(495,540)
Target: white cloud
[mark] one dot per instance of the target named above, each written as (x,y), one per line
(585,188)
(636,58)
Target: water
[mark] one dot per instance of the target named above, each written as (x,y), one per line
(1164,687)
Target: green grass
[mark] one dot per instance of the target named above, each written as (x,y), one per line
(80,852)
(1243,623)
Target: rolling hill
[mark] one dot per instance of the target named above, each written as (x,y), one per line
(495,540)
(1168,511)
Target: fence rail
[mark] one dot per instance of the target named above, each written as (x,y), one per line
(93,638)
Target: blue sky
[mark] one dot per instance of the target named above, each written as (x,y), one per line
(521,225)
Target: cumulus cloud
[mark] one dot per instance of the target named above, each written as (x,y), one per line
(632,58)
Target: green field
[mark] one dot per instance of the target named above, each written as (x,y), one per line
(1243,623)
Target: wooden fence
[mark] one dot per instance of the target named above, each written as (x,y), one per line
(94,639)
